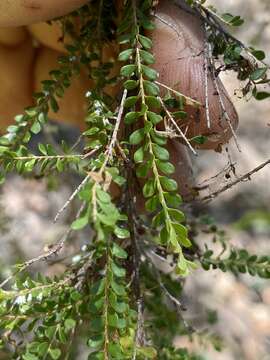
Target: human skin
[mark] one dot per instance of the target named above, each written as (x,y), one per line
(25,12)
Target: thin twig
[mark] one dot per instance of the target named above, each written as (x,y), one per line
(176,126)
(244,177)
(139,337)
(167,23)
(224,170)
(109,151)
(53,251)
(206,73)
(77,142)
(189,100)
(179,306)
(73,195)
(117,125)
(122,153)
(222,105)
(48,157)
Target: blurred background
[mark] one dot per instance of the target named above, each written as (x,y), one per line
(238,308)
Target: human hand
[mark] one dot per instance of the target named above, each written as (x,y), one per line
(25,12)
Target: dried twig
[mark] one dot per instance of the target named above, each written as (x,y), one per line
(73,195)
(224,170)
(54,157)
(189,100)
(178,305)
(53,251)
(167,23)
(206,73)
(244,177)
(176,126)
(109,151)
(117,126)
(221,102)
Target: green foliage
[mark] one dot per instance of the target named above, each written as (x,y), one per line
(113,294)
(238,261)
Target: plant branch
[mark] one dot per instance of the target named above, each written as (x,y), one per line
(244,177)
(177,127)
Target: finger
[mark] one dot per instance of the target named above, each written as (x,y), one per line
(24,12)
(179,46)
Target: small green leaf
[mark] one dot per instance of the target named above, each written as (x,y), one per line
(147,24)
(130,84)
(166,167)
(147,352)
(152,102)
(92,131)
(159,219)
(145,42)
(80,223)
(113,320)
(200,139)
(139,155)
(128,70)
(179,115)
(137,137)
(119,252)
(149,188)
(143,169)
(55,353)
(164,236)
(121,233)
(125,55)
(36,127)
(173,200)
(131,117)
(107,219)
(181,233)
(50,332)
(42,149)
(152,204)
(151,74)
(168,184)
(118,289)
(150,88)
(59,165)
(154,118)
(261,95)
(160,152)
(54,104)
(158,139)
(177,215)
(131,101)
(103,196)
(259,54)
(69,324)
(42,348)
(148,126)
(119,307)
(118,271)
(147,57)
(114,350)
(258,73)
(182,265)
(96,342)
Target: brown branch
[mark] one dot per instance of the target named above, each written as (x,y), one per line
(244,177)
(53,251)
(176,126)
